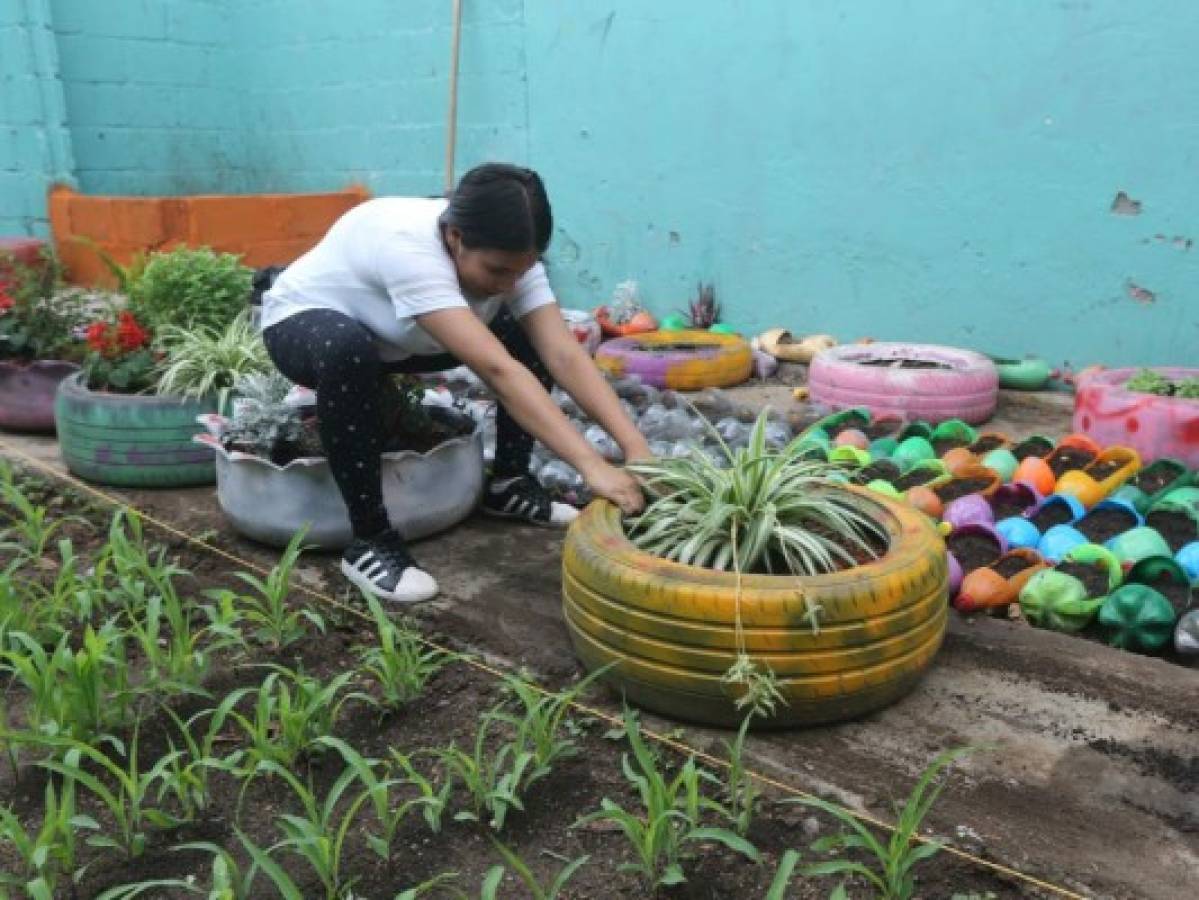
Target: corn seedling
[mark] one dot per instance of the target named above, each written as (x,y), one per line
(48,854)
(276,624)
(127,802)
(670,818)
(432,800)
(30,523)
(399,662)
(512,860)
(538,723)
(741,791)
(893,861)
(186,777)
(438,883)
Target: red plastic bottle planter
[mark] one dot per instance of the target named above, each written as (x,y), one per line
(913,381)
(1153,426)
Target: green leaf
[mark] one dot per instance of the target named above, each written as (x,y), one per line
(728,838)
(782,878)
(491,882)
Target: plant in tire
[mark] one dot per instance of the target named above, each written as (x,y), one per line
(191,288)
(757,514)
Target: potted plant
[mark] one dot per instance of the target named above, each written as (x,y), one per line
(114,426)
(763,584)
(39,345)
(273,478)
(625,315)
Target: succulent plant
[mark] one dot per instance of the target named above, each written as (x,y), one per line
(704,311)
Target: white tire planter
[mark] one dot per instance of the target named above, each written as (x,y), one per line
(424,493)
(849,376)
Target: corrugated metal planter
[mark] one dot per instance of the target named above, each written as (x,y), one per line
(27,393)
(131,440)
(424,493)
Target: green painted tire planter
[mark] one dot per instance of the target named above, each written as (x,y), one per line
(131,440)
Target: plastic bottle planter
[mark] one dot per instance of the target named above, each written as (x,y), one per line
(1137,618)
(917,381)
(1188,558)
(641,323)
(1107,520)
(1028,374)
(27,393)
(1054,510)
(1059,540)
(1153,426)
(950,434)
(680,360)
(1035,445)
(131,440)
(970,480)
(998,585)
(1003,461)
(913,450)
(1186,635)
(973,509)
(1136,544)
(1074,451)
(669,628)
(1014,499)
(1153,482)
(423,493)
(974,546)
(929,473)
(1176,517)
(1100,478)
(1061,601)
(1167,577)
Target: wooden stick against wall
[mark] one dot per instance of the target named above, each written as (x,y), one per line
(452,129)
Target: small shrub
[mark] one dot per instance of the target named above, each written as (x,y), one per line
(191,288)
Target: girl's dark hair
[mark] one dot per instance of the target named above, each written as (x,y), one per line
(498,206)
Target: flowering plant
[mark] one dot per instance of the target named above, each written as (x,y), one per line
(37,321)
(120,356)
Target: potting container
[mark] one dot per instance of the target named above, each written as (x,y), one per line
(131,440)
(1154,426)
(1060,601)
(27,393)
(423,493)
(989,588)
(1171,473)
(1089,486)
(1186,634)
(1059,540)
(1136,617)
(1138,543)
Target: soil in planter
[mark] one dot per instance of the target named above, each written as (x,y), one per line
(961,487)
(914,478)
(986,444)
(1031,447)
(1092,576)
(775,564)
(882,428)
(1067,458)
(1177,528)
(883,468)
(1153,479)
(1178,594)
(1106,469)
(941,446)
(1011,565)
(1007,505)
(1053,514)
(1102,524)
(904,364)
(973,551)
(681,347)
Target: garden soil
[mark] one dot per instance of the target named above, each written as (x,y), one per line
(1091,781)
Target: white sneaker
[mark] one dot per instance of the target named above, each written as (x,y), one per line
(523,498)
(383,566)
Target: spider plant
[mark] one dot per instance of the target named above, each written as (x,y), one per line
(206,362)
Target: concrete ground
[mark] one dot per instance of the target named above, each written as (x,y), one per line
(1092,782)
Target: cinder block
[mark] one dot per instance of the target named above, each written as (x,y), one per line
(86,57)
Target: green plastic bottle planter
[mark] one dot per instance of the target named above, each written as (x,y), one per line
(1028,374)
(940,474)
(722,328)
(916,429)
(1138,543)
(883,448)
(1003,461)
(954,430)
(1182,499)
(912,450)
(1152,571)
(886,488)
(815,443)
(131,440)
(1058,602)
(1094,555)
(1136,617)
(674,322)
(853,456)
(1175,473)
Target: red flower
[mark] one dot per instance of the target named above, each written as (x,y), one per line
(130,335)
(6,302)
(97,336)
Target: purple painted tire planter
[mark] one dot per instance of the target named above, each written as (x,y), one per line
(717,360)
(1153,426)
(27,394)
(968,390)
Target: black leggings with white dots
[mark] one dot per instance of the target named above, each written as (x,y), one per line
(334,355)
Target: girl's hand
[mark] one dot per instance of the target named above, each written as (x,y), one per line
(618,486)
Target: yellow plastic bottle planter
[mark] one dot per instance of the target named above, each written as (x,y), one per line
(669,628)
(1110,469)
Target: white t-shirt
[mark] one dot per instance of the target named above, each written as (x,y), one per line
(383,263)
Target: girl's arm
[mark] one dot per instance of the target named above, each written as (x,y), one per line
(461,333)
(576,373)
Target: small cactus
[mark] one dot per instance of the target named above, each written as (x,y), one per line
(704,311)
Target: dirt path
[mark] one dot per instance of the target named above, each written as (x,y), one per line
(1094,783)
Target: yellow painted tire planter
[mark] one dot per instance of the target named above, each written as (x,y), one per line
(680,360)
(670,628)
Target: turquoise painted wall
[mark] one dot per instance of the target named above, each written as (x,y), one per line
(925,169)
(932,170)
(35,146)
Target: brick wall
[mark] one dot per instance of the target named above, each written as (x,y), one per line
(152,94)
(34,141)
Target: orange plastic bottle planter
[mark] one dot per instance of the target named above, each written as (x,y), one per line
(1100,478)
(640,323)
(969,480)
(989,588)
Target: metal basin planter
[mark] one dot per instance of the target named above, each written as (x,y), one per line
(27,393)
(424,493)
(131,440)
(1153,426)
(669,628)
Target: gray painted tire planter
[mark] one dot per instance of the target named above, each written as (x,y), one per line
(27,393)
(424,493)
(131,440)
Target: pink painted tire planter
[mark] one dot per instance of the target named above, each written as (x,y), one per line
(27,394)
(679,360)
(1153,426)
(843,377)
